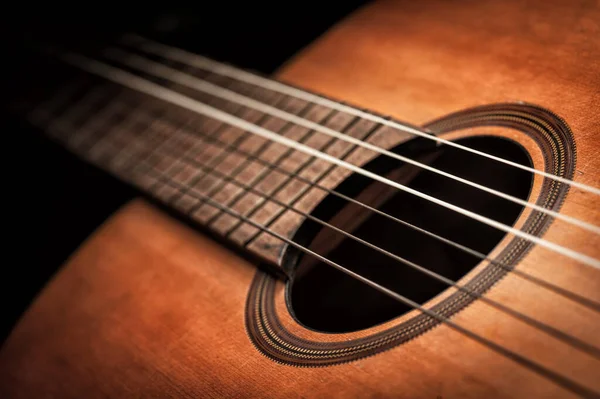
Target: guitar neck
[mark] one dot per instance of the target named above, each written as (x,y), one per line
(228,180)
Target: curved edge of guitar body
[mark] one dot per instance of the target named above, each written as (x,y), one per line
(150,308)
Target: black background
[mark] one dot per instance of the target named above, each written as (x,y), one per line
(53,201)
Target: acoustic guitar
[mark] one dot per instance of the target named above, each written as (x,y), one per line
(435,235)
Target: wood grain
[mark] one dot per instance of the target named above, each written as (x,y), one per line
(149,308)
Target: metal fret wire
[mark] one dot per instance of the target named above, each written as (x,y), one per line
(215,161)
(160,92)
(309,186)
(261,176)
(524,361)
(241,167)
(165,72)
(217,131)
(152,150)
(282,185)
(198,61)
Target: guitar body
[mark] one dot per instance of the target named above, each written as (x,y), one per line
(149,307)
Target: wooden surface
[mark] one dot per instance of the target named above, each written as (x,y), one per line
(182,156)
(149,308)
(159,312)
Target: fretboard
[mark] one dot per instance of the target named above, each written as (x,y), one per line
(227,179)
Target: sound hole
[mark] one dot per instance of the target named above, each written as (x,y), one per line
(325,299)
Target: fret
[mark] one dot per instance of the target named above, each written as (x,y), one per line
(222,195)
(148,137)
(136,150)
(365,130)
(177,156)
(280,223)
(227,162)
(288,131)
(313,167)
(259,179)
(260,145)
(119,149)
(280,186)
(205,213)
(267,179)
(203,151)
(223,223)
(300,186)
(246,167)
(203,185)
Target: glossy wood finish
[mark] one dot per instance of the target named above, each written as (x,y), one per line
(150,308)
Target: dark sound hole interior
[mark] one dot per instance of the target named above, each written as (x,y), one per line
(325,299)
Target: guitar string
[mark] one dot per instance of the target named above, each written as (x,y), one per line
(521,274)
(154,90)
(199,61)
(532,365)
(162,71)
(571,340)
(167,147)
(561,380)
(557,378)
(37,117)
